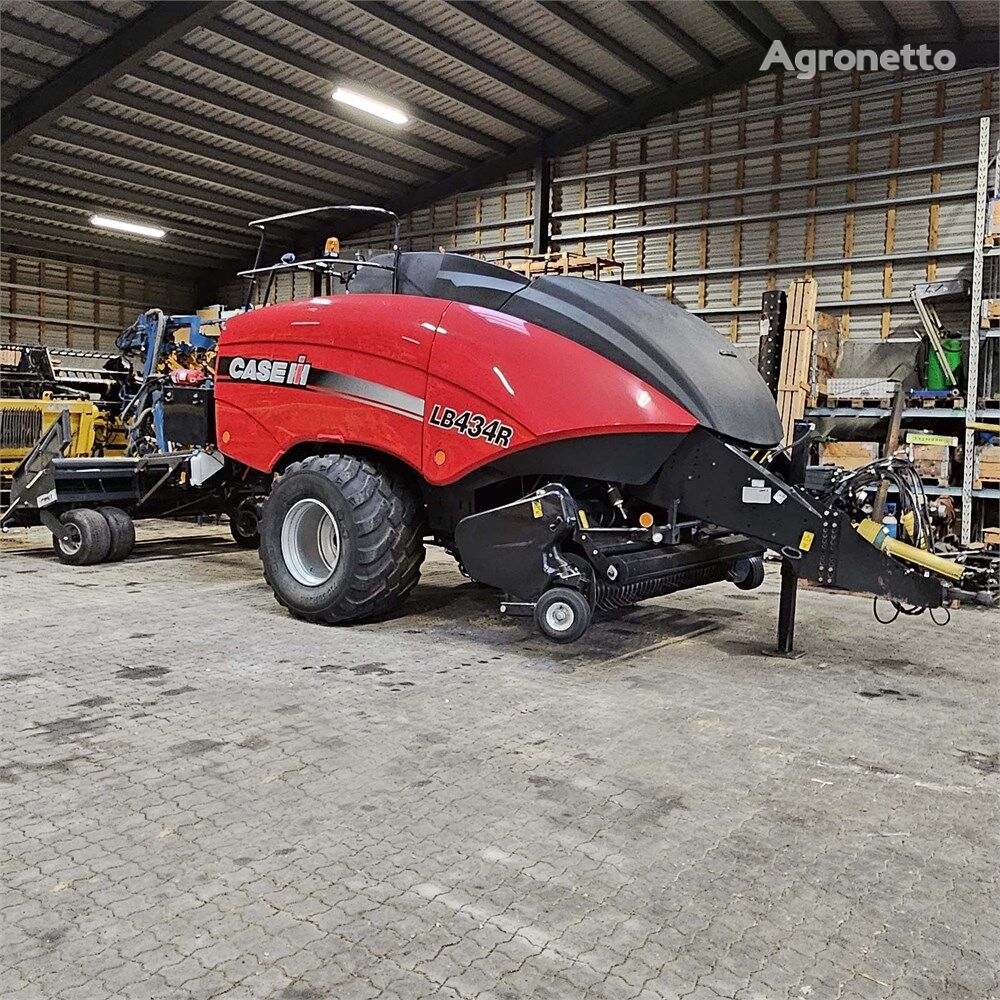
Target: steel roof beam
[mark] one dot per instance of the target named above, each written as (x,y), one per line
(18,243)
(247,136)
(569,15)
(752,21)
(137,201)
(22,192)
(508,32)
(42,215)
(39,214)
(26,66)
(44,37)
(883,19)
(401,67)
(654,17)
(268,85)
(150,32)
(261,45)
(818,16)
(473,60)
(114,147)
(178,255)
(243,211)
(294,58)
(209,151)
(951,23)
(84,12)
(179,167)
(650,104)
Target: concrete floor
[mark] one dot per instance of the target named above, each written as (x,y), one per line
(202,797)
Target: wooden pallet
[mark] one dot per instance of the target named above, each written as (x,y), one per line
(859,402)
(949,403)
(990,315)
(796,354)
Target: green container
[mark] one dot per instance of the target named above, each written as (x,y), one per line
(935,377)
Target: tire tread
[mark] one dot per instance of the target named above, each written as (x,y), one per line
(390,537)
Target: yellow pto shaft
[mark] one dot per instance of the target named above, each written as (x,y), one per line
(884,542)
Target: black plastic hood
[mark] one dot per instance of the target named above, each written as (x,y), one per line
(664,345)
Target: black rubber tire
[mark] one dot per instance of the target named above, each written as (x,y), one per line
(381,525)
(748,574)
(92,538)
(122,533)
(573,602)
(238,529)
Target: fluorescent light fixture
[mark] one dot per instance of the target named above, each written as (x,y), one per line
(376,108)
(121,226)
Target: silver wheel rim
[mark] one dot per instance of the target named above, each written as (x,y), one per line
(559,616)
(72,544)
(310,542)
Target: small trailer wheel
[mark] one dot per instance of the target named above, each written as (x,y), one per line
(122,533)
(244,527)
(562,614)
(88,538)
(748,574)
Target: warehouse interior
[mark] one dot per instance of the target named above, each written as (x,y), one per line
(712,793)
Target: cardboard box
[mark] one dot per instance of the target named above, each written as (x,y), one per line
(849,454)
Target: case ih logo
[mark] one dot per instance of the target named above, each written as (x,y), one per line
(265,370)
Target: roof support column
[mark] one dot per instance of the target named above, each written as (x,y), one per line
(541,206)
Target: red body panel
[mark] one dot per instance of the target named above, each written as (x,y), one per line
(409,359)
(545,386)
(385,339)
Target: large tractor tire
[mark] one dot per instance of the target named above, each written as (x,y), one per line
(122,533)
(88,538)
(341,539)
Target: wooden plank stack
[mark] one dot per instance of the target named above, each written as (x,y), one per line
(796,356)
(849,454)
(827,352)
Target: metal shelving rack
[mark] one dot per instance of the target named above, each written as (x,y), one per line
(976,337)
(969,496)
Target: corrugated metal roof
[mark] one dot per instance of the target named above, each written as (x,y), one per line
(633,31)
(457,23)
(439,19)
(229,115)
(345,22)
(705,25)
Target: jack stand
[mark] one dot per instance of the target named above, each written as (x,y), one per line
(786,613)
(799,457)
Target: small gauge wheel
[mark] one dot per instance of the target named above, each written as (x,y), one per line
(562,614)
